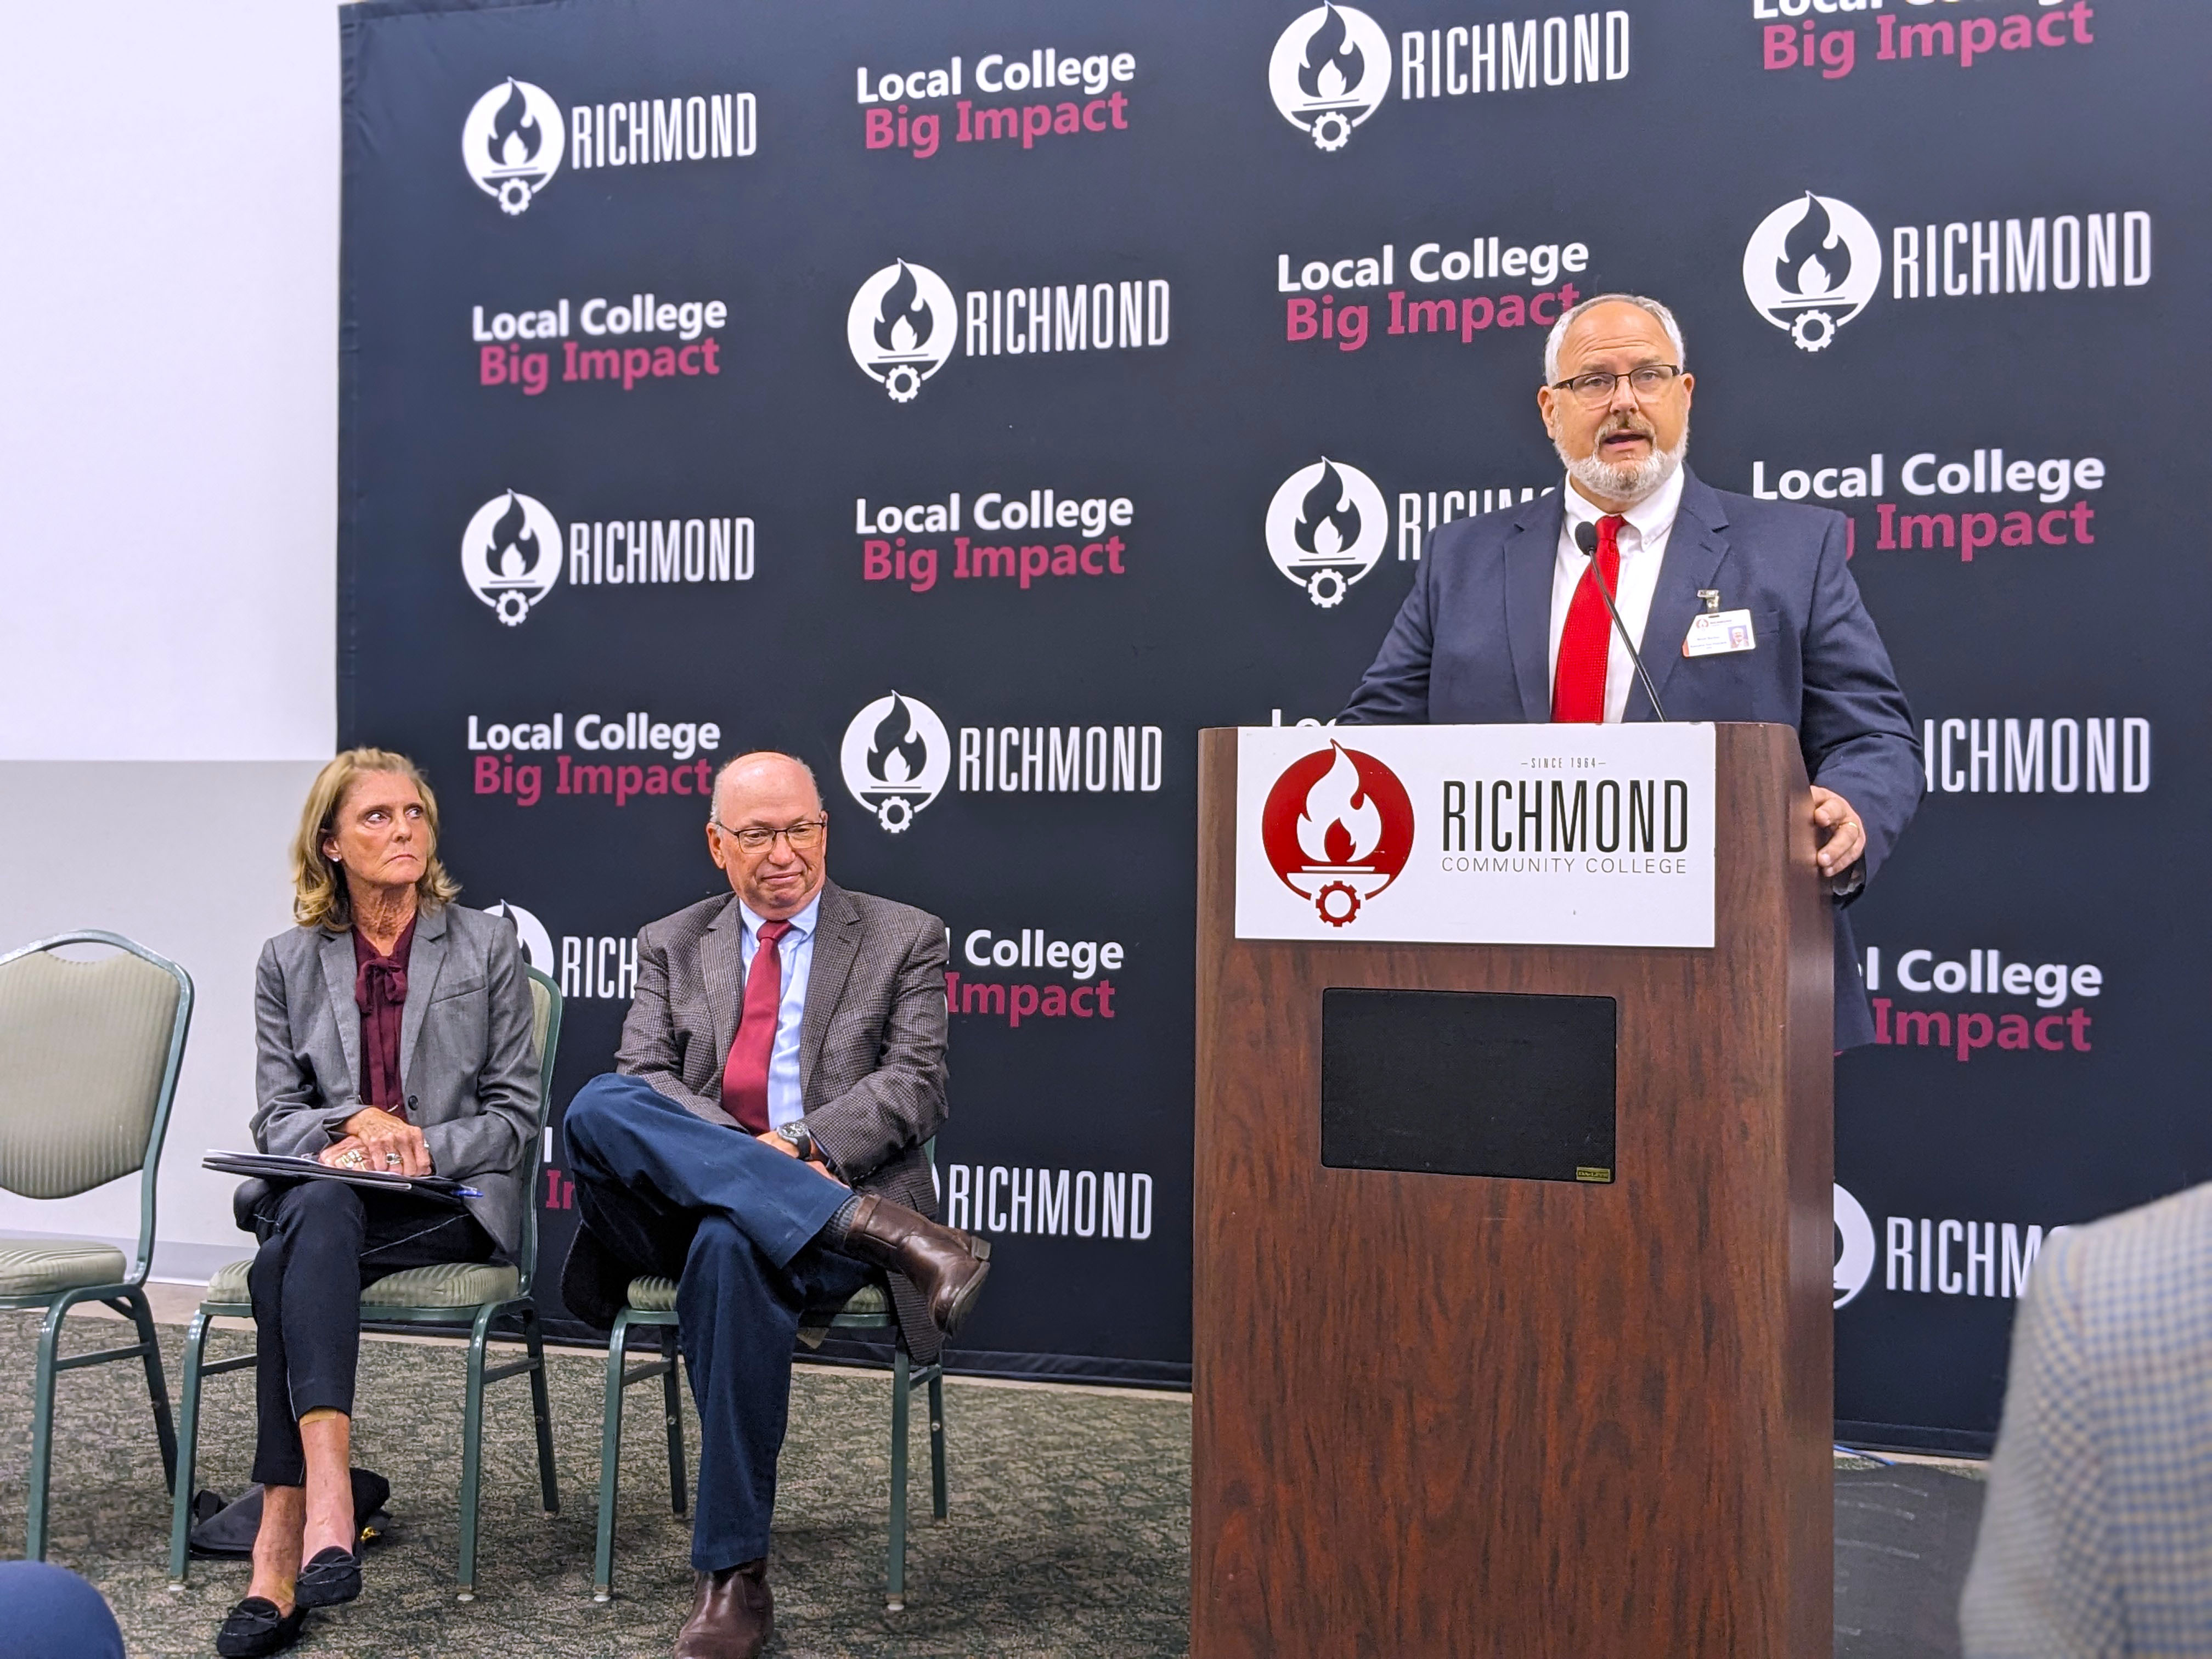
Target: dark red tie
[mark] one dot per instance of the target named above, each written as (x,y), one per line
(1586,643)
(745,1078)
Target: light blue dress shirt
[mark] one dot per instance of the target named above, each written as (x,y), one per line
(797,950)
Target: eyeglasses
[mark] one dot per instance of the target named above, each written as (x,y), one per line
(802,837)
(1595,390)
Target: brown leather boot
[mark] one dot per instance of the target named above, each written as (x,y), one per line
(732,1614)
(948,1268)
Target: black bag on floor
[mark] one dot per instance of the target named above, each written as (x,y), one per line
(223,1529)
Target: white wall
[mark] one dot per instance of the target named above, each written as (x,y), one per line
(188,859)
(168,419)
(167,514)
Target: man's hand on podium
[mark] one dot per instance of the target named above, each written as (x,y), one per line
(1845,842)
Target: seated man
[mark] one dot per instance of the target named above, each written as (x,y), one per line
(2096,1541)
(761,1144)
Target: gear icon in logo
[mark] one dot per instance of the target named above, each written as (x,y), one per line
(894,814)
(902,383)
(513,609)
(1802,332)
(513,196)
(1330,597)
(1332,131)
(1340,889)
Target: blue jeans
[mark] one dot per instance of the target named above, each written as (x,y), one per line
(736,1224)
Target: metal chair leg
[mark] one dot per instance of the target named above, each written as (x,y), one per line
(188,1448)
(671,1395)
(937,1494)
(548,1486)
(42,1427)
(157,1386)
(603,1558)
(472,1454)
(894,1565)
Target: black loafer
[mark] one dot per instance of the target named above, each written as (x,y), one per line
(334,1576)
(255,1627)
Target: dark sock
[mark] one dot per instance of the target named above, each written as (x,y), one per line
(841,1224)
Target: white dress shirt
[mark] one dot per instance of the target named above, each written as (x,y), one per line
(796,948)
(1642,542)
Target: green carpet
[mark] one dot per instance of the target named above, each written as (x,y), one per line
(1069,1534)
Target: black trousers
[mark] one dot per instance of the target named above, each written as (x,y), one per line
(321,1242)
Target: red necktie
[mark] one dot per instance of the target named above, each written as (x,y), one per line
(1586,643)
(745,1078)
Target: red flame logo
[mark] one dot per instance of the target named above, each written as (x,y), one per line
(1337,828)
(896,325)
(896,754)
(515,135)
(1332,64)
(1815,259)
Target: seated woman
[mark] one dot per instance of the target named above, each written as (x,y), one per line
(393,1030)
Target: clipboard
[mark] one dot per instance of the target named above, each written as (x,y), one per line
(270,1166)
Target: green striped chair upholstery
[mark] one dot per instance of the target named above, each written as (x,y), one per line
(89,1052)
(651,1303)
(487,1299)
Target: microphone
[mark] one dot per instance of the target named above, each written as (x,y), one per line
(1586,539)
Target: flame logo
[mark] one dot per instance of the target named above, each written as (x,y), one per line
(1329,519)
(897,753)
(894,326)
(1332,64)
(1338,825)
(1815,259)
(515,135)
(1337,829)
(514,547)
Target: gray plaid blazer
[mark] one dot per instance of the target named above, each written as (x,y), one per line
(871,1064)
(2097,1538)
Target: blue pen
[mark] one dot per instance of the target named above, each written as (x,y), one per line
(468,1192)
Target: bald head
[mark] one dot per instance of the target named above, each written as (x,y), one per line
(755,796)
(764,774)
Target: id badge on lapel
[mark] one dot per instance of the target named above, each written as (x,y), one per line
(1717,633)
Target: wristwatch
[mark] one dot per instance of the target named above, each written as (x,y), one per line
(797,1133)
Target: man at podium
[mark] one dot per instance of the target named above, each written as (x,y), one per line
(1637,592)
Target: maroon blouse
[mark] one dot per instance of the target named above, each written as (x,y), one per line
(380,990)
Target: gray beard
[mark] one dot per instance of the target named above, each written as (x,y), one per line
(1627,484)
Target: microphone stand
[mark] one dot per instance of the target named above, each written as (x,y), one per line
(1586,539)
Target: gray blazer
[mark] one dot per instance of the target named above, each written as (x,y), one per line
(2096,1541)
(871,1052)
(465,1052)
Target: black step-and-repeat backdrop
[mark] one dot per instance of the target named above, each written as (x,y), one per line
(977,401)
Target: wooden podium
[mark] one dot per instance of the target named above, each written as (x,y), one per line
(1450,1415)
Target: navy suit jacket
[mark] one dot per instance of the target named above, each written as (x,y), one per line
(1472,645)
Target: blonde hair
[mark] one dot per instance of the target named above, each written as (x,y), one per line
(319,895)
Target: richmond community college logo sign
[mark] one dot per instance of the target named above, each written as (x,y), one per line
(511,554)
(1325,528)
(1337,828)
(513,142)
(897,758)
(902,328)
(1330,70)
(1811,266)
